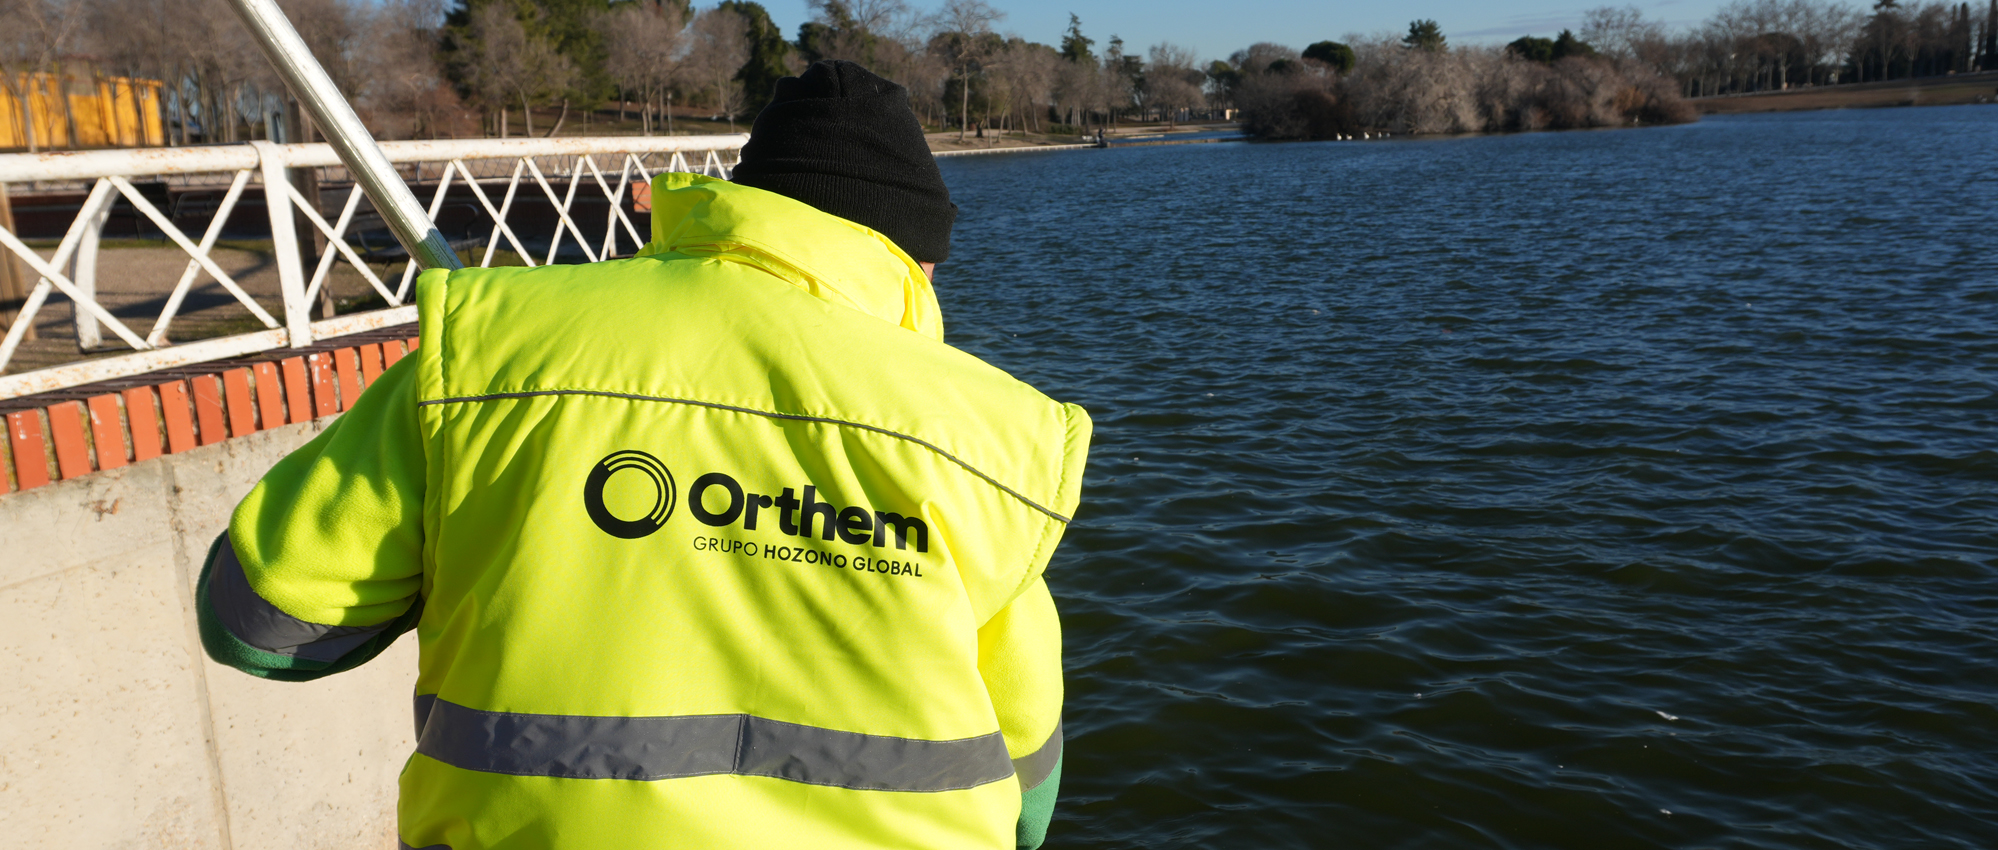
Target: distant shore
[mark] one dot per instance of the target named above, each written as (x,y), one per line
(1928,91)
(1128,134)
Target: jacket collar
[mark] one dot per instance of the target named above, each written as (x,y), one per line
(823,254)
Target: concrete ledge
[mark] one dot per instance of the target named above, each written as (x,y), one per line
(117,731)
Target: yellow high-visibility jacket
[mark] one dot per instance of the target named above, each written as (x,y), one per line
(720,546)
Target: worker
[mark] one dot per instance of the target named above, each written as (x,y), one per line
(718,546)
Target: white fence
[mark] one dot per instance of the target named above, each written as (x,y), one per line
(494,170)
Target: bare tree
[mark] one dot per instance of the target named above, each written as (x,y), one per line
(1420,91)
(1827,31)
(1619,32)
(492,39)
(719,47)
(1031,72)
(183,43)
(34,37)
(965,42)
(883,18)
(1452,90)
(1017,81)
(643,47)
(1074,89)
(883,35)
(1989,51)
(924,74)
(545,74)
(331,28)
(402,91)
(1118,83)
(228,74)
(114,38)
(1258,57)
(863,31)
(500,63)
(1173,80)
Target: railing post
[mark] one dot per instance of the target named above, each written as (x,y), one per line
(306,180)
(284,243)
(83,273)
(13,285)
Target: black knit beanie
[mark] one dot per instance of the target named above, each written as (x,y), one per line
(845,141)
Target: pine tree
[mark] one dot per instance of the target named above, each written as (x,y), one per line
(1990,60)
(767,49)
(1567,45)
(1074,45)
(1424,34)
(1338,57)
(1961,39)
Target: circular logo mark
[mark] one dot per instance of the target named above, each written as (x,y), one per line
(662,501)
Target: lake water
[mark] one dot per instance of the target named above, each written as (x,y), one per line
(1615,489)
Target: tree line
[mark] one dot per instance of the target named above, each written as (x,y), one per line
(1421,84)
(1764,45)
(1618,68)
(217,85)
(432,68)
(450,68)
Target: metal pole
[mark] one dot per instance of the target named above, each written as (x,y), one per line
(343,129)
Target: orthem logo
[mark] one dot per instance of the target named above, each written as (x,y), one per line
(662,500)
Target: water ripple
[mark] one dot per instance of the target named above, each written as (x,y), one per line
(1621,489)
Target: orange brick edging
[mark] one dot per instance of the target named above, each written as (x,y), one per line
(24,441)
(70,439)
(106,433)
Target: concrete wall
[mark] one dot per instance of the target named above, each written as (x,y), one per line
(116,731)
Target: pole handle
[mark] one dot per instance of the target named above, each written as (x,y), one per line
(343,129)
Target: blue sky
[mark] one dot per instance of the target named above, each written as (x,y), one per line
(1216,29)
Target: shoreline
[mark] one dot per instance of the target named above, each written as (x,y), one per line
(1008,149)
(946,143)
(1949,90)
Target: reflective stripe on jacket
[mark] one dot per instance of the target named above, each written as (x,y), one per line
(719,546)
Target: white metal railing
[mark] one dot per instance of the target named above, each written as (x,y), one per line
(71,268)
(292,58)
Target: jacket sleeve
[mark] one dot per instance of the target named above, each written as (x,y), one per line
(1019,656)
(321,568)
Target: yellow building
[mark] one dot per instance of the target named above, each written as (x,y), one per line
(80,112)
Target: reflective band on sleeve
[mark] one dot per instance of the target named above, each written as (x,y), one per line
(255,621)
(653,748)
(404,845)
(1033,768)
(424,702)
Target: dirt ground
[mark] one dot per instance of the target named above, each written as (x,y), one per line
(1932,91)
(134,283)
